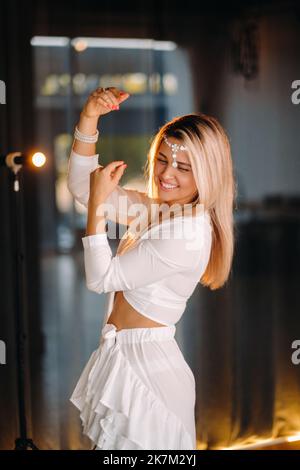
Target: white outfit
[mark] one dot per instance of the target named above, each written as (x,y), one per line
(137,391)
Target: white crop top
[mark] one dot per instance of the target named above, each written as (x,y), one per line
(159,275)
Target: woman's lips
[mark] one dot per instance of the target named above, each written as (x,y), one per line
(166,189)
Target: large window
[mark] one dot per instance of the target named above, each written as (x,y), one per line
(155,73)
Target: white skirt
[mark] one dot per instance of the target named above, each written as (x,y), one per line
(137,392)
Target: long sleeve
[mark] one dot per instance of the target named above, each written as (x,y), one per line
(151,260)
(121,209)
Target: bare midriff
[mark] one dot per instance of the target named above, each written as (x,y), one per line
(123,315)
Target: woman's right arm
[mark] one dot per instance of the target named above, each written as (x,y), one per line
(86,125)
(83,160)
(98,104)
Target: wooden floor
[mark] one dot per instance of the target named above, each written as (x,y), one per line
(284,446)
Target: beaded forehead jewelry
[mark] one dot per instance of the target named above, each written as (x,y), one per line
(175,148)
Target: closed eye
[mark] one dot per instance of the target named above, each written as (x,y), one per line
(180,168)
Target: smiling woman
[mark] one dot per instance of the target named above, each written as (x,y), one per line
(137,391)
(202,176)
(175,184)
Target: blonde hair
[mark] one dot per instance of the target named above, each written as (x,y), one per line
(210,157)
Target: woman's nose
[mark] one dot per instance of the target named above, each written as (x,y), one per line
(169,171)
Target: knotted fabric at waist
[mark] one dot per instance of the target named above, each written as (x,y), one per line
(110,335)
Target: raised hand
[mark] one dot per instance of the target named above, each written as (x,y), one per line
(102,101)
(104,180)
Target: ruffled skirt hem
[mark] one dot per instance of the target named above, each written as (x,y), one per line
(118,411)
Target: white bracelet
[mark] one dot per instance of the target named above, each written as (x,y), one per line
(88,139)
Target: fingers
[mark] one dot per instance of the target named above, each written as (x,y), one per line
(119,94)
(105,97)
(119,172)
(112,96)
(100,100)
(112,166)
(108,96)
(113,171)
(123,95)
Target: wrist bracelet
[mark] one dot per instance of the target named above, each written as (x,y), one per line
(88,139)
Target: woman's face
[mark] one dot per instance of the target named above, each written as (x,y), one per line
(183,186)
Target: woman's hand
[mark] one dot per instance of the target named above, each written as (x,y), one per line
(103,181)
(101,102)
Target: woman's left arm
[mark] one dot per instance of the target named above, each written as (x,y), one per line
(102,183)
(151,260)
(96,223)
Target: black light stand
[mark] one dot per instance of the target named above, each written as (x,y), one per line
(22,442)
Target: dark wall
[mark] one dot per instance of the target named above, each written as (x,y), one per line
(16,134)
